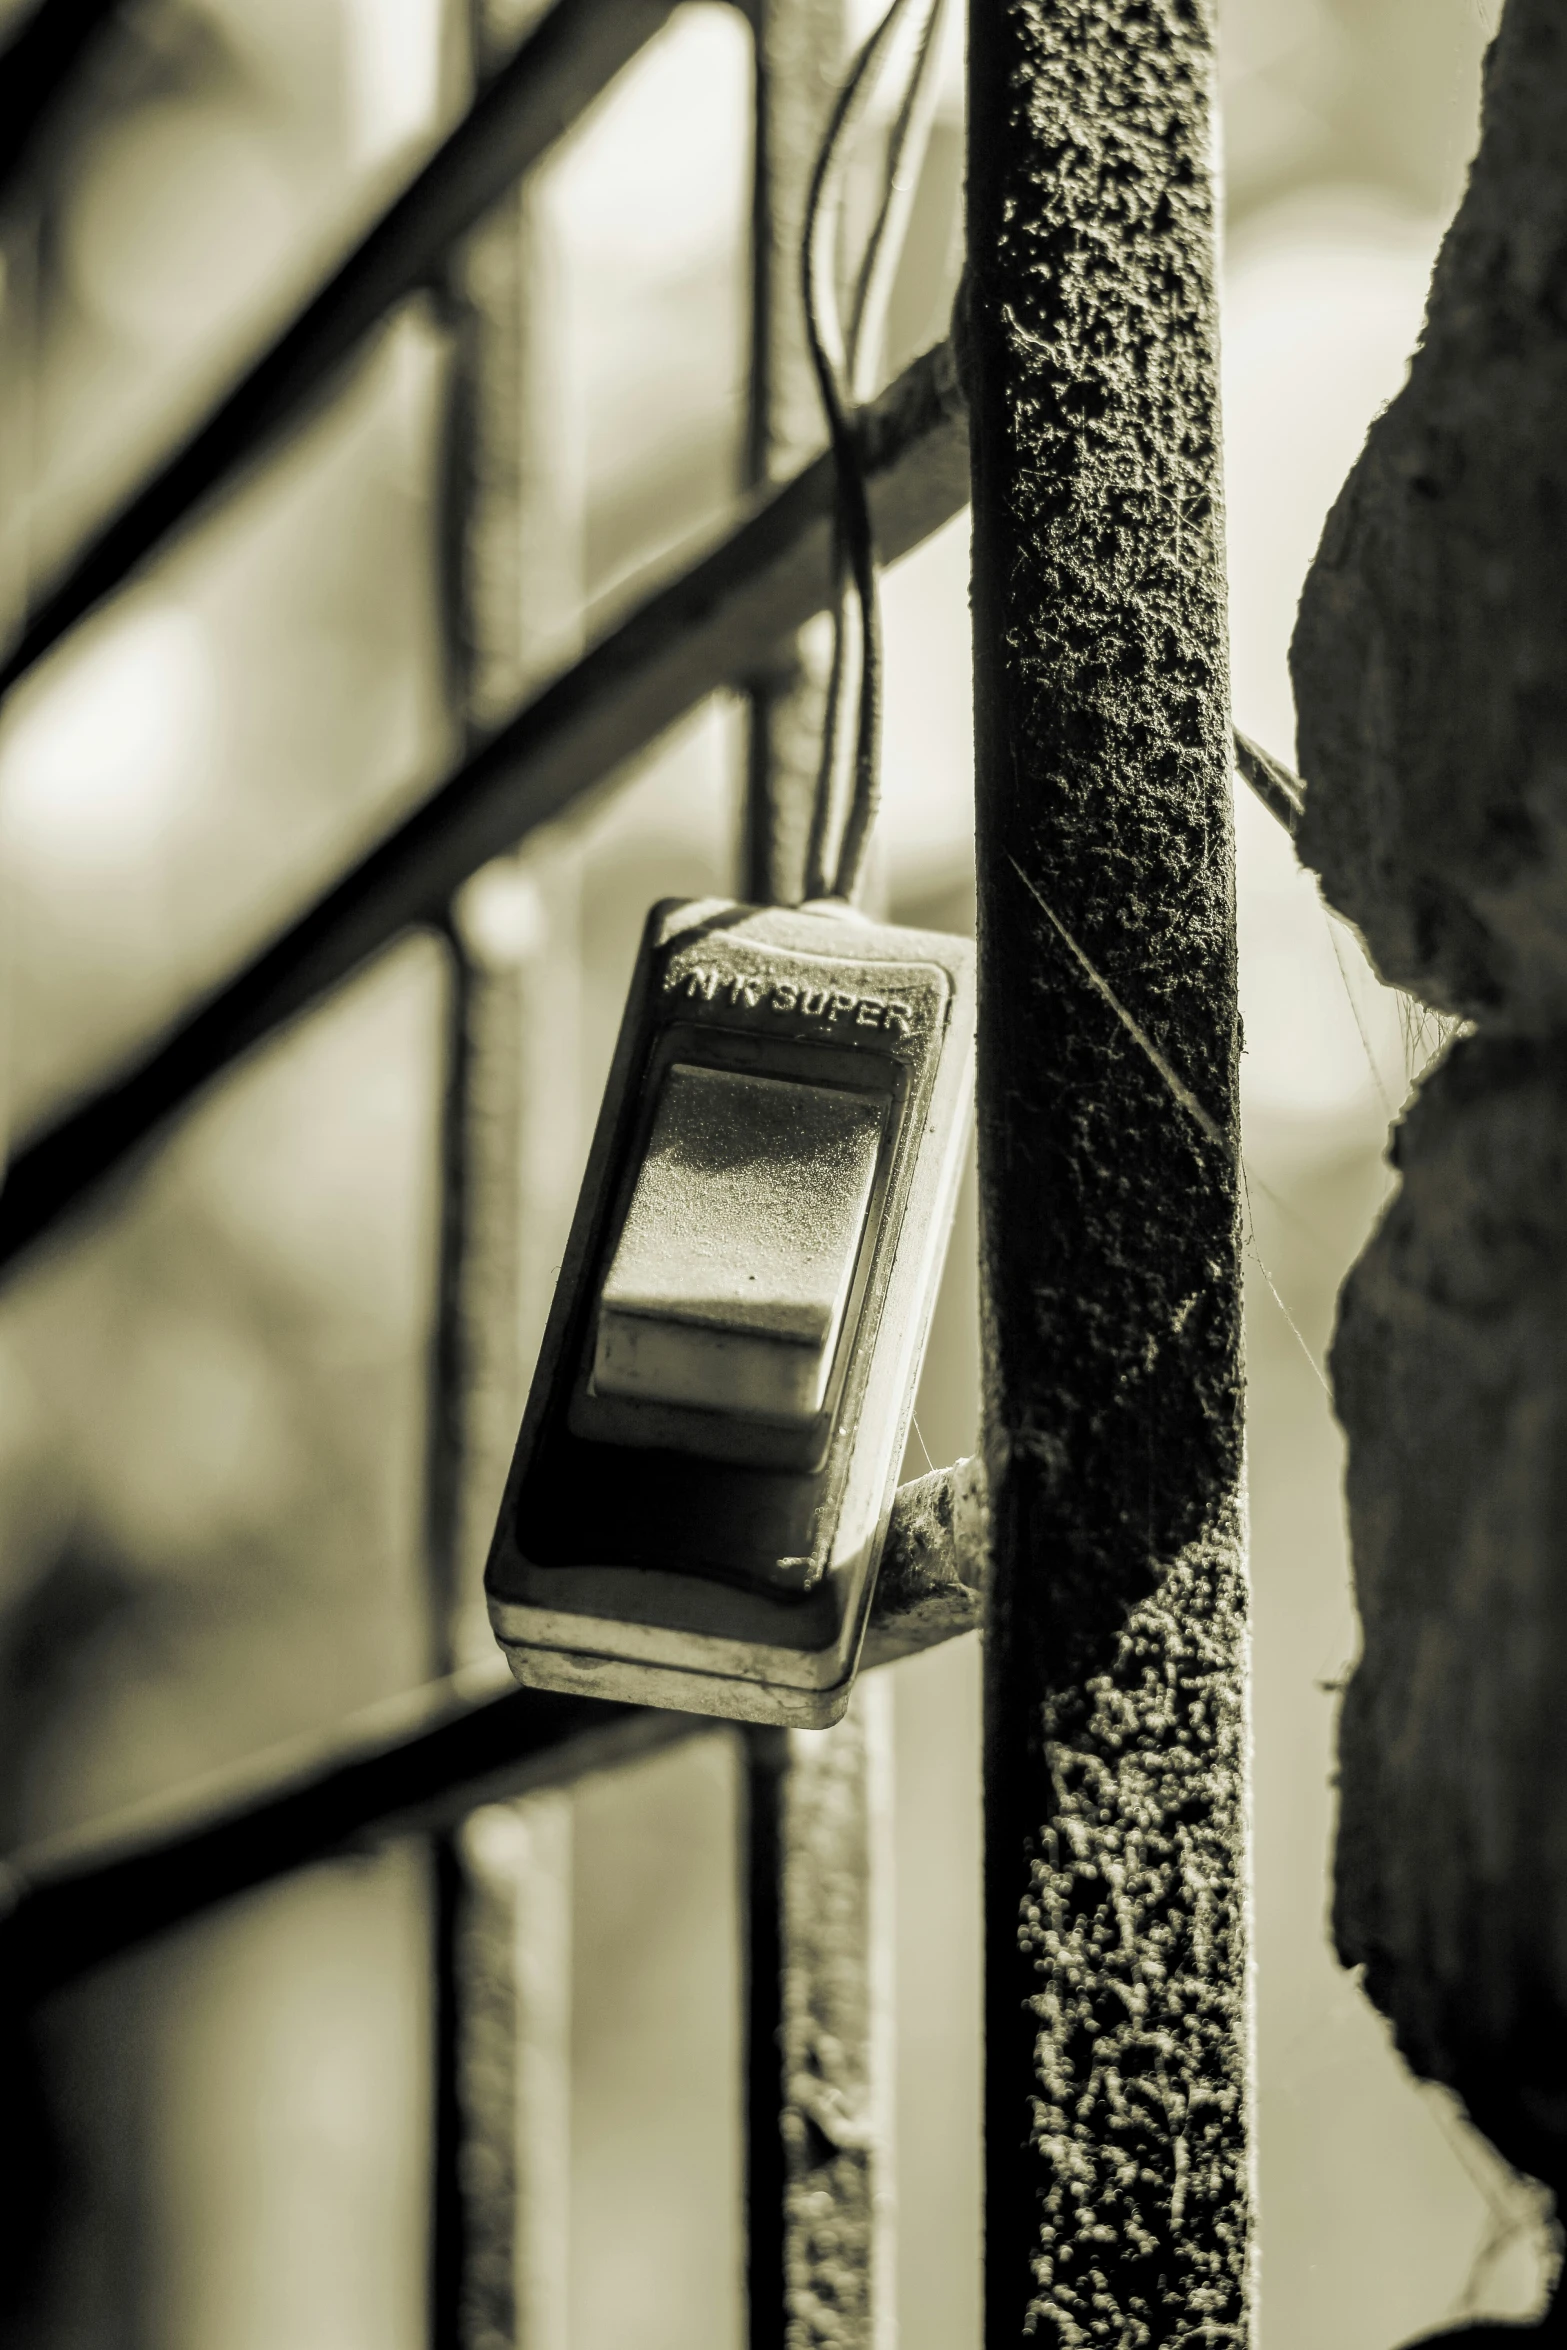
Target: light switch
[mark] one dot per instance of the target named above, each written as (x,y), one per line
(701,1488)
(729,1282)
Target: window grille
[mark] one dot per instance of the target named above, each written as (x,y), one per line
(1137,1030)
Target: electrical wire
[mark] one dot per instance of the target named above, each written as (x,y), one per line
(844,358)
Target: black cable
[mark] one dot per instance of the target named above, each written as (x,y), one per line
(841,361)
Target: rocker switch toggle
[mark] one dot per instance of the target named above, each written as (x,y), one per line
(728,1286)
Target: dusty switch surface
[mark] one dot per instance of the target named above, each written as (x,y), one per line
(705,1469)
(728,1286)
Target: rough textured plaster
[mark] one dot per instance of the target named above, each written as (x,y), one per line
(1431,678)
(1428,659)
(1450,1373)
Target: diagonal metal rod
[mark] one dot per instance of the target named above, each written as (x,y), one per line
(715,623)
(423,1761)
(36,65)
(1281,793)
(572,56)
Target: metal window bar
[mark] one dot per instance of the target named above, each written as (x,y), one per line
(37,66)
(710,627)
(816,1932)
(430,1761)
(421,1761)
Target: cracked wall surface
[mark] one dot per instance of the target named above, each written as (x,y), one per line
(1431,685)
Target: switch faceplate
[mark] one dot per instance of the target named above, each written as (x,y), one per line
(729,1281)
(706,1466)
